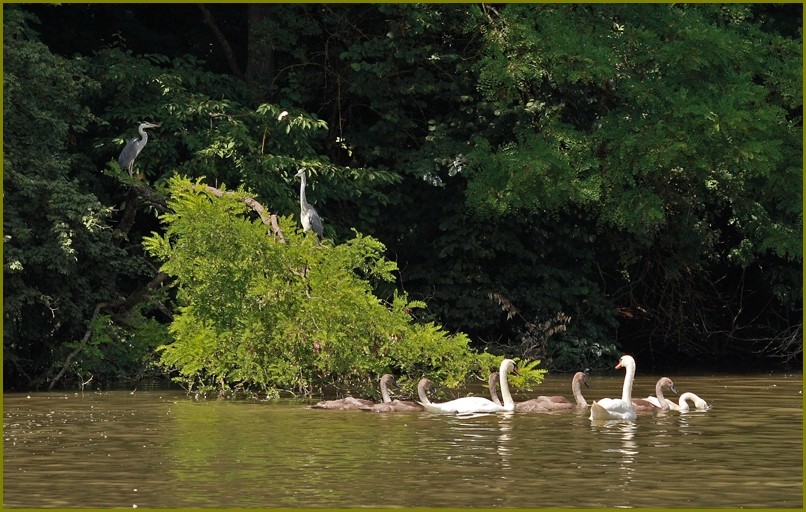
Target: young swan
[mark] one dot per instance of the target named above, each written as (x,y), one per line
(618,408)
(400,405)
(349,403)
(557,403)
(682,403)
(658,402)
(550,403)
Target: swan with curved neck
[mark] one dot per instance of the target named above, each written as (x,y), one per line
(699,403)
(577,380)
(551,403)
(682,403)
(422,390)
(350,403)
(477,404)
(403,405)
(618,408)
(492,382)
(657,402)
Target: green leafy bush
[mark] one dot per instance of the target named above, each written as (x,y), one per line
(262,313)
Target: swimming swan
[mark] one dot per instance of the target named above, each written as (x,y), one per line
(618,408)
(477,404)
(403,405)
(350,403)
(492,381)
(682,403)
(557,403)
(576,391)
(657,402)
(699,403)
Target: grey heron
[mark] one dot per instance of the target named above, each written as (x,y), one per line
(133,148)
(310,219)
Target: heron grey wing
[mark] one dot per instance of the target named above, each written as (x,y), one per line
(316,222)
(128,154)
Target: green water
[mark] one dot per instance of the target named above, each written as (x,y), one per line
(162,450)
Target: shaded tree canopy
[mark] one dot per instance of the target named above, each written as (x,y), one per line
(554,181)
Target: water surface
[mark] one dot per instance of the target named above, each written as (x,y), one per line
(159,449)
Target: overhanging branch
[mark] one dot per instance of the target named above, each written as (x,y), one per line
(267,219)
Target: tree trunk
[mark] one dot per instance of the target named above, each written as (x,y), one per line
(260,58)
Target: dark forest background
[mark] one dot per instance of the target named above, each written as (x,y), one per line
(557,181)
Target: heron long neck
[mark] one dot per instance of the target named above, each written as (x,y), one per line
(143,134)
(509,403)
(302,200)
(626,391)
(576,389)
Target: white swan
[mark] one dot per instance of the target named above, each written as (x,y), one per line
(699,403)
(477,404)
(658,402)
(350,403)
(682,403)
(618,408)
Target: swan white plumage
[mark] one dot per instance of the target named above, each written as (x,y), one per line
(658,402)
(682,403)
(699,403)
(350,403)
(618,408)
(477,404)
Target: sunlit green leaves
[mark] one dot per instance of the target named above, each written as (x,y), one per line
(297,315)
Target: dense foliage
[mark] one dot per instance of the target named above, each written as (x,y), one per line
(552,181)
(286,311)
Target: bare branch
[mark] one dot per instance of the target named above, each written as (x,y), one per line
(269,220)
(79,348)
(222,40)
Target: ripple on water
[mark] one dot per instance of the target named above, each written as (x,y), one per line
(93,451)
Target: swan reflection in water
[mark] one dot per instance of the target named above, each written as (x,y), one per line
(620,440)
(484,439)
(503,446)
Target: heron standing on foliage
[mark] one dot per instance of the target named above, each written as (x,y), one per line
(133,148)
(310,219)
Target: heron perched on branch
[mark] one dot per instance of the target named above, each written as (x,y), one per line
(310,219)
(133,148)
